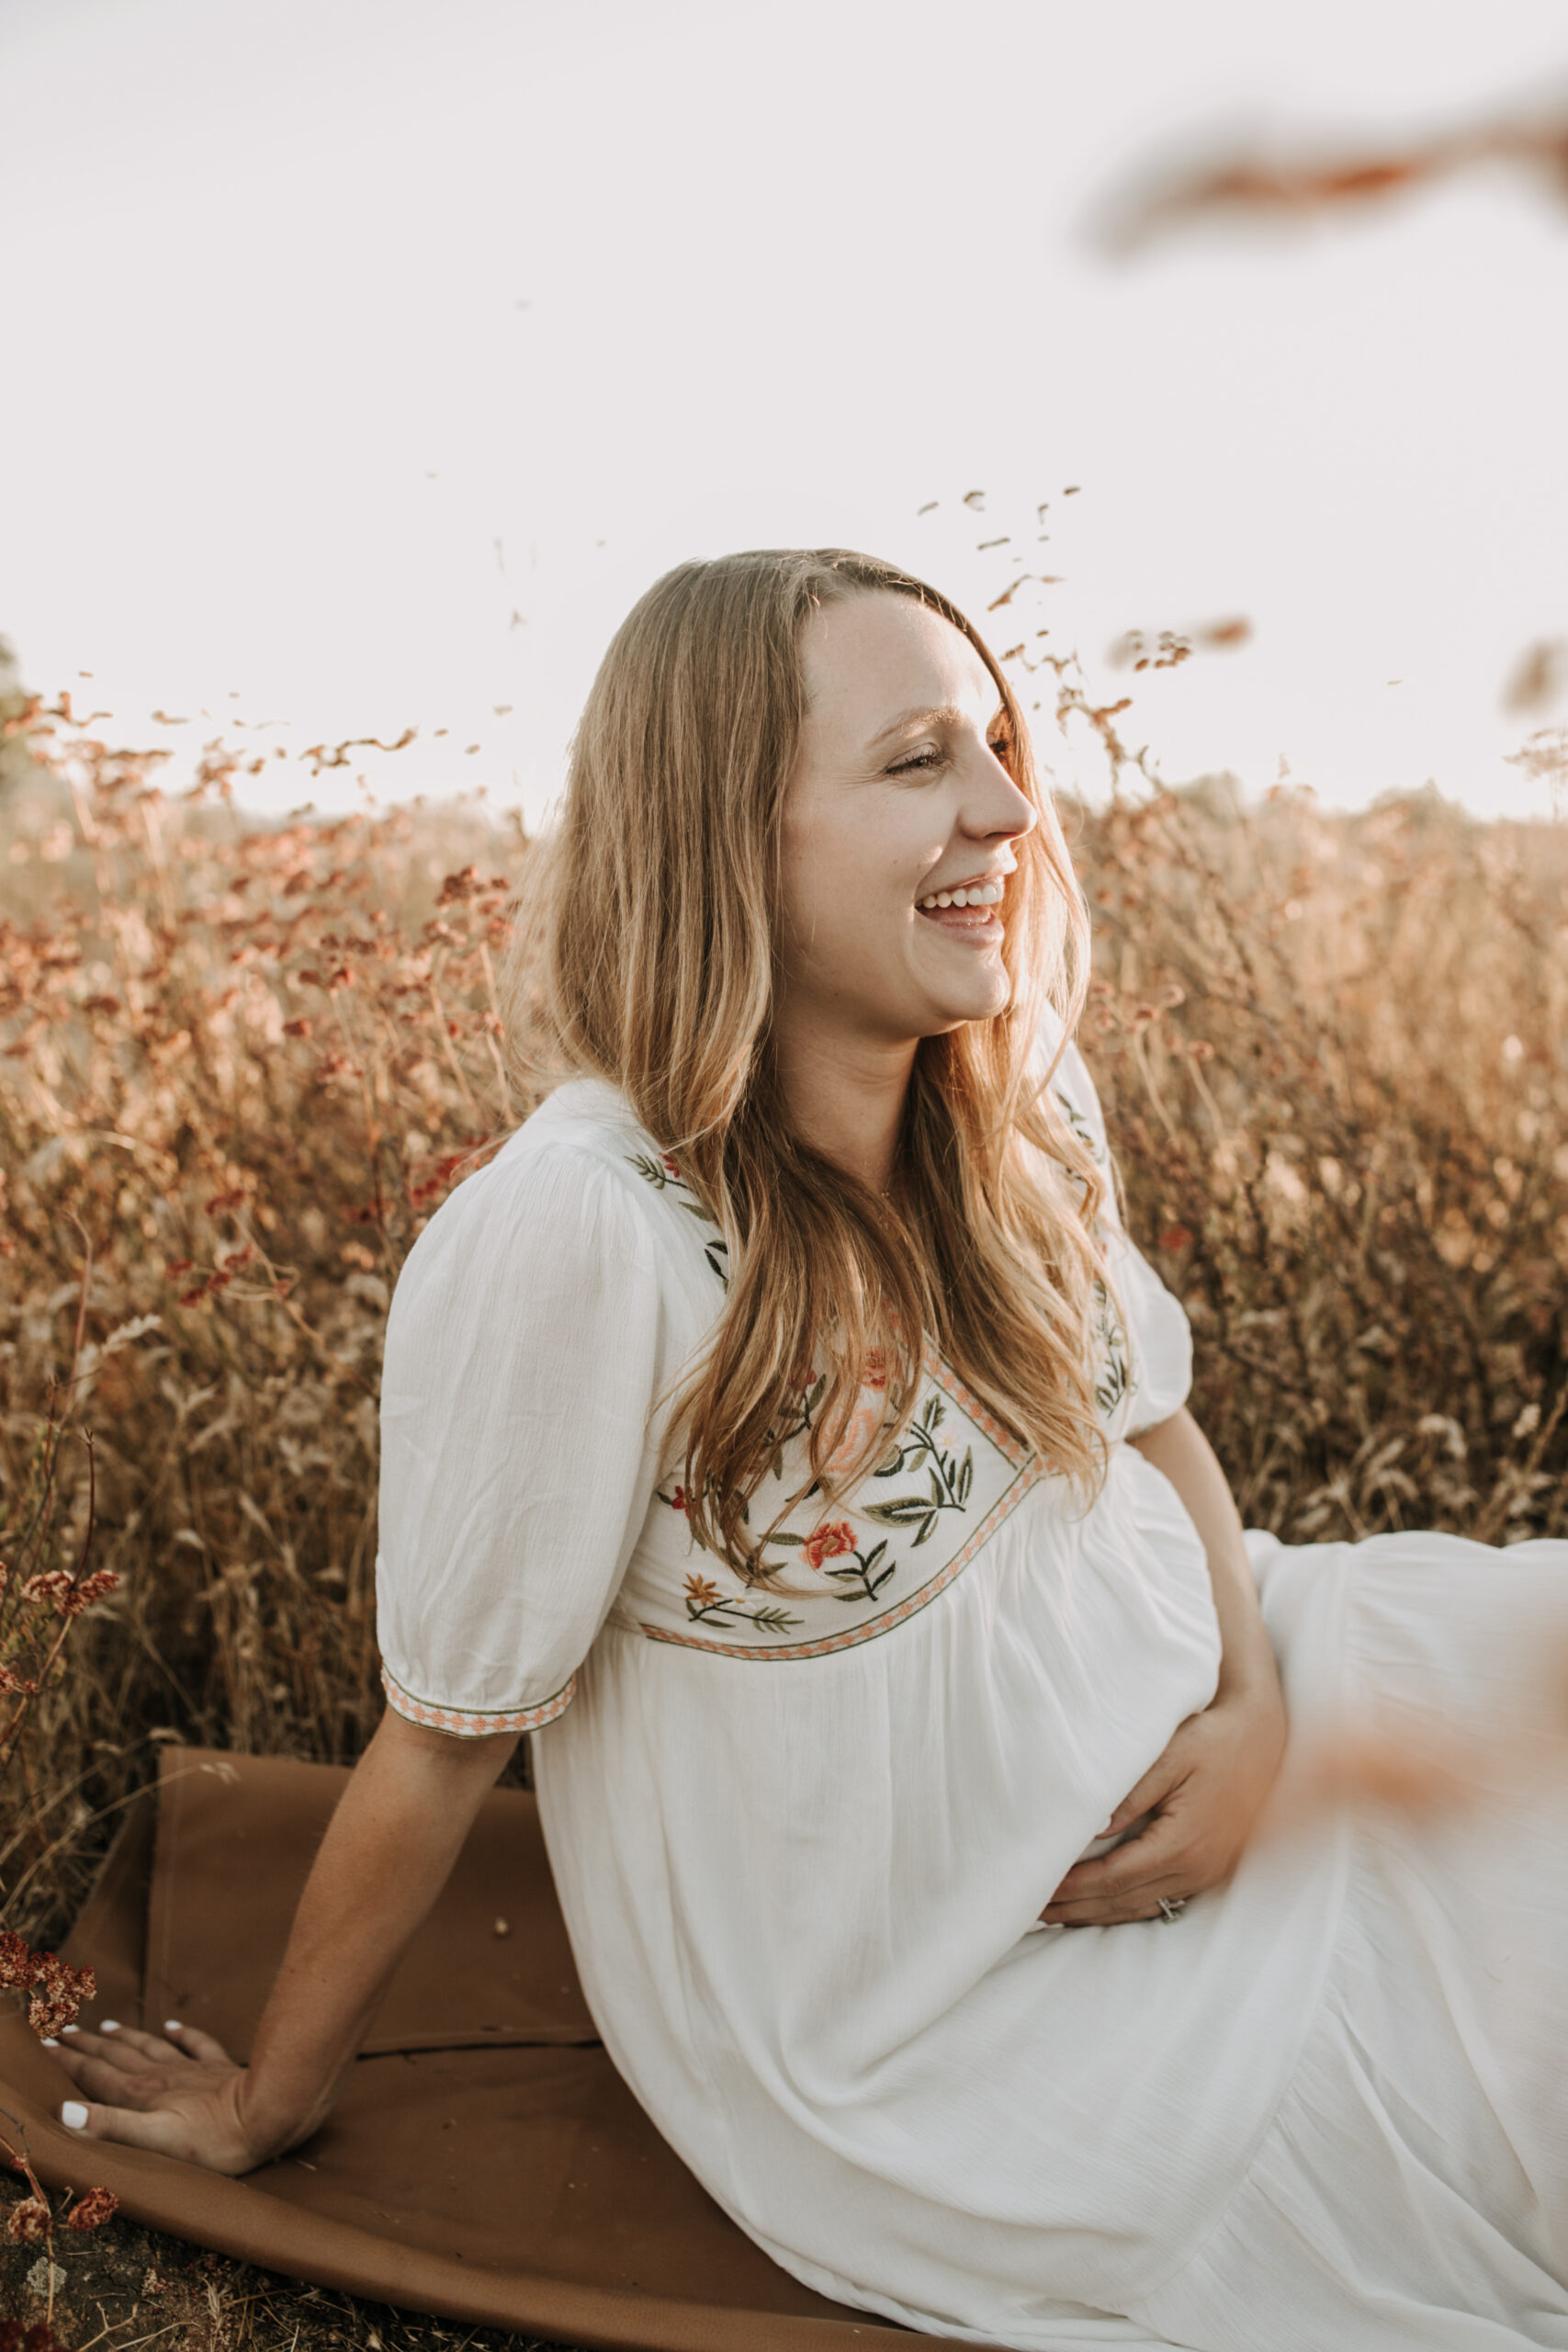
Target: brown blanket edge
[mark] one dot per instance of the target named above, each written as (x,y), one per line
(233,2218)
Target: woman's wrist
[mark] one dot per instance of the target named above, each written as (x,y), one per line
(270,2119)
(1249,1674)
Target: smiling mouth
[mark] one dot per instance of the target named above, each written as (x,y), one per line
(970,911)
(979,925)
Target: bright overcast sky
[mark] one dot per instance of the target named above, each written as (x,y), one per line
(368,357)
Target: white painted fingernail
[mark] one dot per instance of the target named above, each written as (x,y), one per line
(73,2115)
(50,2043)
(172,2025)
(70,2029)
(108,2024)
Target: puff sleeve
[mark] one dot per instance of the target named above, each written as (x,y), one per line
(517,1463)
(1159,1333)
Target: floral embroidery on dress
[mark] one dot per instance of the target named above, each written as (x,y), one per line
(1114,1382)
(1111,1337)
(706,1605)
(955,1474)
(663,1173)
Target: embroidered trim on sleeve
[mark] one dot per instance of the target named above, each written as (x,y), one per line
(476,1723)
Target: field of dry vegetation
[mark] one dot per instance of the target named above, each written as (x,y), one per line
(242,1063)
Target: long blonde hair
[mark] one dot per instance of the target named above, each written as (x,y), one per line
(647,952)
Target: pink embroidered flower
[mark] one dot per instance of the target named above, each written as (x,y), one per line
(866,1416)
(827,1542)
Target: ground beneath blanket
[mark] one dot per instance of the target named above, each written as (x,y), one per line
(125,2288)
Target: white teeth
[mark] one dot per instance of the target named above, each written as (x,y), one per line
(987,894)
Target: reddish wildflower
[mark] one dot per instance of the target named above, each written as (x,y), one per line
(58,1992)
(39,2337)
(1175,1236)
(827,1542)
(15,1961)
(28,2222)
(53,1585)
(91,1589)
(92,2210)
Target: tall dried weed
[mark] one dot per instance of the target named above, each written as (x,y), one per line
(248,1060)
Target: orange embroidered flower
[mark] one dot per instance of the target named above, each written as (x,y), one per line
(700,1593)
(827,1542)
(876,1373)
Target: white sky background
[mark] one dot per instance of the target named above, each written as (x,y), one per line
(340,331)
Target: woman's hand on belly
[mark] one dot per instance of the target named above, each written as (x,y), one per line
(1204,1796)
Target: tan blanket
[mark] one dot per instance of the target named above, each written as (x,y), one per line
(484,2161)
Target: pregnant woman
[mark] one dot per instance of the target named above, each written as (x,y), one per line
(784,1430)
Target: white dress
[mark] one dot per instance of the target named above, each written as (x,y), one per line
(802,1832)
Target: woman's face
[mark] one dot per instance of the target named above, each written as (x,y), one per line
(897,801)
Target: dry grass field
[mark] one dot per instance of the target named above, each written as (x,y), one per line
(240,1064)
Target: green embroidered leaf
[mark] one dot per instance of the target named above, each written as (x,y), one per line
(891,1467)
(926,1524)
(904,1512)
(875,1555)
(939,1493)
(775,1620)
(784,1536)
(966,1474)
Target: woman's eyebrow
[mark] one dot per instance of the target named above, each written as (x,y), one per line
(944,715)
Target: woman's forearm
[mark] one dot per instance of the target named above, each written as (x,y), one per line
(1178,1449)
(387,1854)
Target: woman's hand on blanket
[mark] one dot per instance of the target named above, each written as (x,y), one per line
(178,2092)
(1204,1796)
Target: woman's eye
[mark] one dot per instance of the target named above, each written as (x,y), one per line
(923,763)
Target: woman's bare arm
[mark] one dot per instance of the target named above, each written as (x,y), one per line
(387,1854)
(1180,1449)
(1207,1789)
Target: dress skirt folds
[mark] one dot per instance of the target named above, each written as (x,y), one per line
(802,1826)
